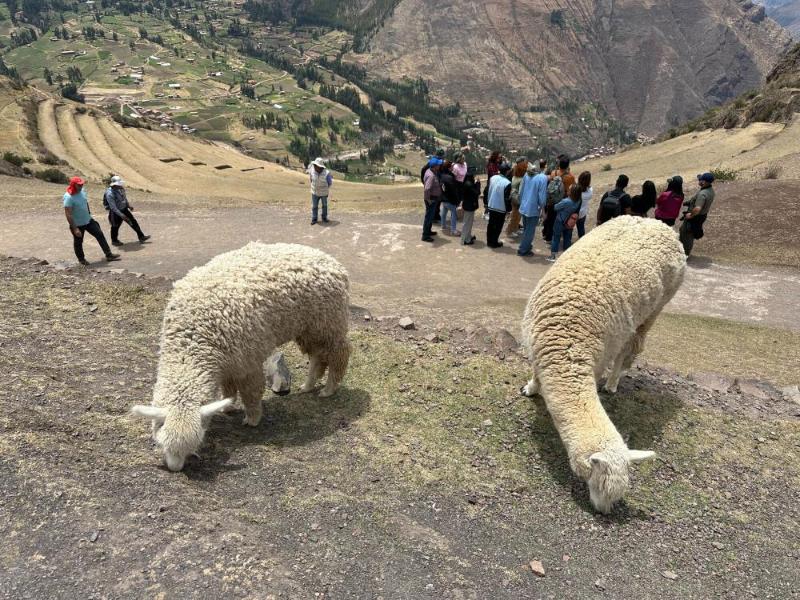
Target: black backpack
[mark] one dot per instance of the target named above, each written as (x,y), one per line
(422,172)
(611,204)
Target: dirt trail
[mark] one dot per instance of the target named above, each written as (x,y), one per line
(392,271)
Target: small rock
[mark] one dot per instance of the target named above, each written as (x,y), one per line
(761,440)
(537,567)
(92,308)
(712,381)
(671,575)
(432,338)
(487,423)
(93,536)
(718,545)
(116,271)
(504,341)
(600,584)
(42,262)
(406,323)
(753,388)
(566,558)
(367,318)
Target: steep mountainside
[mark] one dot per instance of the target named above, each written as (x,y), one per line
(574,72)
(787,13)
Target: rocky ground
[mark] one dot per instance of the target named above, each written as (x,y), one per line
(427,476)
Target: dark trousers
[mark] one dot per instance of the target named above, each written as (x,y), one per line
(547,226)
(93,229)
(117,221)
(494,228)
(431,210)
(581,227)
(669,222)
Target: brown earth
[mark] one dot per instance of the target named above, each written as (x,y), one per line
(426,476)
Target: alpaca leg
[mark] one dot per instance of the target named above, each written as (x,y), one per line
(316,368)
(252,391)
(629,352)
(612,381)
(337,360)
(532,387)
(229,391)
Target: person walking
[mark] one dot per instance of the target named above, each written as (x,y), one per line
(585,183)
(79,217)
(471,193)
(520,169)
(450,199)
(697,212)
(532,202)
(120,211)
(669,202)
(499,204)
(642,203)
(321,183)
(432,194)
(567,212)
(614,203)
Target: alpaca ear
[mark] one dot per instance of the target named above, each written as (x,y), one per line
(598,459)
(154,413)
(637,456)
(209,410)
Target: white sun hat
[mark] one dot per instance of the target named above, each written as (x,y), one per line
(318,162)
(116,180)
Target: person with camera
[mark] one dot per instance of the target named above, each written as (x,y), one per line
(696,212)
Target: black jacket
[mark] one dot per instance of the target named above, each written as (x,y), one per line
(471,196)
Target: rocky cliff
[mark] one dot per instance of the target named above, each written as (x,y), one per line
(574,74)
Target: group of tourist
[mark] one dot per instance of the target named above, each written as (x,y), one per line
(80,220)
(520,196)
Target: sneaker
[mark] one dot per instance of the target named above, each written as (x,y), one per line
(529,253)
(427,239)
(116,243)
(313,222)
(470,243)
(497,245)
(325,221)
(84,262)
(551,258)
(456,232)
(112,257)
(434,233)
(144,238)
(473,239)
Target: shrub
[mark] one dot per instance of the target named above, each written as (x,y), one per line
(557,18)
(15,159)
(772,171)
(48,158)
(52,175)
(606,167)
(723,174)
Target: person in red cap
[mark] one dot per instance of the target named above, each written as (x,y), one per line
(76,208)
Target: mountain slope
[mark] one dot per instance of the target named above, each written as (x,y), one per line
(570,71)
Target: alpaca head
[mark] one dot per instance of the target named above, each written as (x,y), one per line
(179,430)
(609,480)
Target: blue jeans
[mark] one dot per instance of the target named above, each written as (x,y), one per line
(446,206)
(315,207)
(558,232)
(528,230)
(430,215)
(581,227)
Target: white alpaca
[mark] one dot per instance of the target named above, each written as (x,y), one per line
(224,319)
(588,318)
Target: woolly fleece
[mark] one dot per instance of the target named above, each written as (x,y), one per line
(225,318)
(588,318)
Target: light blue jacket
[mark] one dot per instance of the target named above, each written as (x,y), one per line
(497,193)
(565,208)
(533,195)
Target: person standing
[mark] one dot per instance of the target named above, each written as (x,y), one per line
(520,169)
(120,211)
(532,201)
(499,195)
(585,183)
(321,183)
(450,198)
(432,194)
(561,180)
(492,169)
(614,203)
(566,218)
(669,202)
(642,203)
(471,193)
(79,217)
(697,212)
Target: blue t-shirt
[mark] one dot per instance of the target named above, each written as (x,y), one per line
(80,207)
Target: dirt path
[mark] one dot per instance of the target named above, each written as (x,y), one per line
(392,271)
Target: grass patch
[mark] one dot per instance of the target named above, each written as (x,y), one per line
(695,344)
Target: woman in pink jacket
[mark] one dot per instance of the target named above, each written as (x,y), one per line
(668,203)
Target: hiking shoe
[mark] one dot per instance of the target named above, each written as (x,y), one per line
(144,238)
(112,257)
(84,262)
(551,258)
(427,239)
(313,222)
(325,221)
(434,233)
(116,243)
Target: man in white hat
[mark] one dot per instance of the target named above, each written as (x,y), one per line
(119,211)
(321,182)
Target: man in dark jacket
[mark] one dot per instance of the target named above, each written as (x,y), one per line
(698,207)
(614,203)
(119,211)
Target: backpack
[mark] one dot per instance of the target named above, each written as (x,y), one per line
(105,198)
(610,204)
(422,173)
(555,191)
